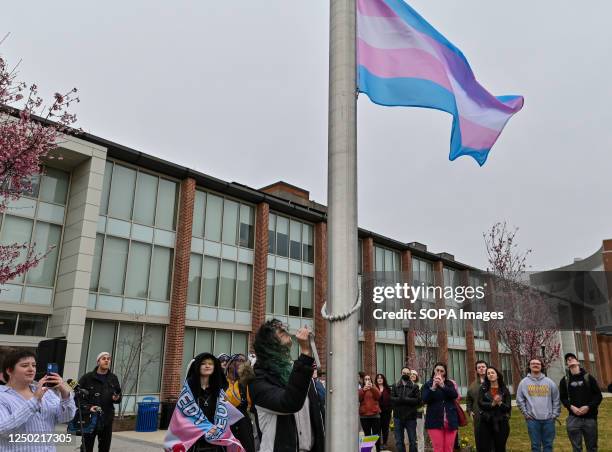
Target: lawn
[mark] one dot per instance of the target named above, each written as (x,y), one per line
(519,440)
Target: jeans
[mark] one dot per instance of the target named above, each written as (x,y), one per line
(577,428)
(410,426)
(541,434)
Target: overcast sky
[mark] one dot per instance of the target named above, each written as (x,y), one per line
(238,90)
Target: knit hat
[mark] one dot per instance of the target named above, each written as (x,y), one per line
(101,355)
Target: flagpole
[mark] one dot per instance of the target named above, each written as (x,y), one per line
(342,401)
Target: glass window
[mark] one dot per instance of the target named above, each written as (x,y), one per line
(166,202)
(228,284)
(295,236)
(54,186)
(214,207)
(150,360)
(97,260)
(122,192)
(223,342)
(85,348)
(282,236)
(240,343)
(245,282)
(8,321)
(280,293)
(161,271)
(108,172)
(307,296)
(272,234)
(269,291)
(199,208)
(211,281)
(137,281)
(32,325)
(102,340)
(247,222)
(230,222)
(195,275)
(294,295)
(307,241)
(146,193)
(45,236)
(188,348)
(126,359)
(16,231)
(114,260)
(204,341)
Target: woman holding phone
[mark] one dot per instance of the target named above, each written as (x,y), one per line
(441,419)
(369,409)
(31,407)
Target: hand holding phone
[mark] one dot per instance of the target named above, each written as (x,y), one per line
(52,368)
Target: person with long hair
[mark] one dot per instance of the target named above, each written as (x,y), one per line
(441,419)
(206,380)
(494,405)
(420,427)
(239,374)
(385,407)
(369,409)
(284,396)
(29,407)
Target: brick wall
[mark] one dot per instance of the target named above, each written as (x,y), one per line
(369,345)
(173,358)
(409,336)
(470,354)
(320,295)
(260,267)
(442,333)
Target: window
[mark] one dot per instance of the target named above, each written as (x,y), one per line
(422,272)
(457,370)
(200,340)
(46,237)
(506,368)
(289,294)
(220,219)
(386,260)
(290,238)
(389,361)
(219,282)
(387,264)
(134,195)
(484,356)
(578,339)
(137,352)
(12,323)
(131,268)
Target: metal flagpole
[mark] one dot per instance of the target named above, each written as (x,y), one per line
(342,404)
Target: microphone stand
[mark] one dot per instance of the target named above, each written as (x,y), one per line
(78,397)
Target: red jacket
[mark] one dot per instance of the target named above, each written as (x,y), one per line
(368,402)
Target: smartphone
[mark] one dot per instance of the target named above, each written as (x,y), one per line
(51,368)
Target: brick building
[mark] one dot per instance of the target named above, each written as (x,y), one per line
(155,262)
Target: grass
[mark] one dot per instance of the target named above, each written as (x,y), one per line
(519,439)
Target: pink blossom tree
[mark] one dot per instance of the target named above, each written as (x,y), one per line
(29,131)
(529,328)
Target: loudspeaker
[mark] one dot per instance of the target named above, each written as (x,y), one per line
(50,351)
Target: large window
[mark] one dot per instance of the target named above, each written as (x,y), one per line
(13,323)
(136,351)
(422,272)
(290,238)
(36,220)
(133,195)
(386,260)
(131,269)
(483,356)
(220,219)
(457,370)
(389,361)
(506,368)
(200,340)
(289,294)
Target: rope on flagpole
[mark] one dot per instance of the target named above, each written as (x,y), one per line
(344,315)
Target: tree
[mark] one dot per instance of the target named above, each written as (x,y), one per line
(29,131)
(529,328)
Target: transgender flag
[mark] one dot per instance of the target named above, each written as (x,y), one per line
(403,61)
(189,423)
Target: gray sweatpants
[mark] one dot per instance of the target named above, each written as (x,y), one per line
(578,428)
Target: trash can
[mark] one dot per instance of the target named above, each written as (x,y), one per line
(167,408)
(146,418)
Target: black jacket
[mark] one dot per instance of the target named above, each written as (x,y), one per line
(493,415)
(405,399)
(581,390)
(101,392)
(277,403)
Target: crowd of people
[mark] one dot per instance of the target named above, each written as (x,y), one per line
(282,402)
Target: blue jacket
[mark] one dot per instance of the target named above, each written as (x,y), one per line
(439,401)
